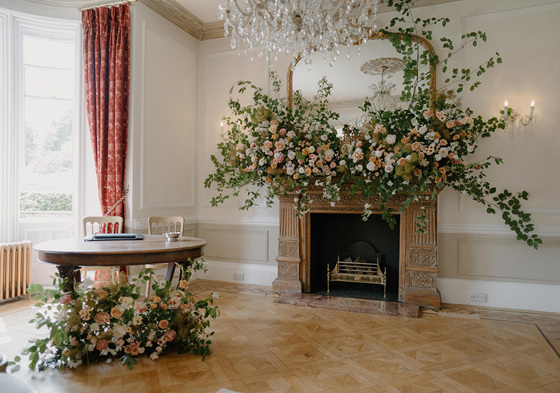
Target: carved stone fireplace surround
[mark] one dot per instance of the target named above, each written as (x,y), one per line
(418,267)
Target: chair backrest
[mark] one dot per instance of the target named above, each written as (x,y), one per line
(96,224)
(160,225)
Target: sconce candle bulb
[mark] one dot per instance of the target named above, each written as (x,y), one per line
(532,109)
(506,104)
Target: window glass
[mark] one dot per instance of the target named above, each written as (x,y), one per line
(47,184)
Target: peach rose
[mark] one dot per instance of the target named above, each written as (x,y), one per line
(170,335)
(102,344)
(102,318)
(163,324)
(116,312)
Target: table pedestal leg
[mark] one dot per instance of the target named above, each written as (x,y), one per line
(72,273)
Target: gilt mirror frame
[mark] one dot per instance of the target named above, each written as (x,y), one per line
(376,35)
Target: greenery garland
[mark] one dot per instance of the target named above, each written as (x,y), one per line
(415,152)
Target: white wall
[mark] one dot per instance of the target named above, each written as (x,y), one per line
(477,253)
(162,138)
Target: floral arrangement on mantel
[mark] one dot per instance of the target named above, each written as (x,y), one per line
(95,323)
(413,152)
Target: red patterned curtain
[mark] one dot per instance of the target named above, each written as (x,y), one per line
(106,43)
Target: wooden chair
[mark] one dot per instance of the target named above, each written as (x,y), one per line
(159,226)
(97,224)
(93,225)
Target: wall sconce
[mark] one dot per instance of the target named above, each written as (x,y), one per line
(515,121)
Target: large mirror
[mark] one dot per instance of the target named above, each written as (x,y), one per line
(375,72)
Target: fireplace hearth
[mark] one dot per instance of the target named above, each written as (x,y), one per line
(308,243)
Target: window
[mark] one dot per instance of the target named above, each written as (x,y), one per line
(40,95)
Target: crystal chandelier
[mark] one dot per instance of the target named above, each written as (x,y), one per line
(298,26)
(382,100)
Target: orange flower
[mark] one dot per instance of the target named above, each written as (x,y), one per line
(116,312)
(455,137)
(418,171)
(164,306)
(163,324)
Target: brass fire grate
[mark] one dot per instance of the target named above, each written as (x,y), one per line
(358,271)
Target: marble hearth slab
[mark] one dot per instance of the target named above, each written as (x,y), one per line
(349,304)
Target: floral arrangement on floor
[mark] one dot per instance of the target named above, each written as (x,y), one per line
(416,151)
(112,319)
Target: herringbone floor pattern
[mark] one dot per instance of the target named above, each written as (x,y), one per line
(261,346)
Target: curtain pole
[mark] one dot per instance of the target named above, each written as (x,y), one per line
(107,4)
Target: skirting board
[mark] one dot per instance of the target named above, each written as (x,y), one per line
(521,296)
(252,273)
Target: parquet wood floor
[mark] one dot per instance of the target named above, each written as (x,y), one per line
(261,346)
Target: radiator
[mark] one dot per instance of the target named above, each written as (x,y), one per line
(15,269)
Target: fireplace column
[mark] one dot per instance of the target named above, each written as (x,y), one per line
(420,265)
(288,259)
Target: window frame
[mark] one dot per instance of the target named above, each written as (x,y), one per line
(14,26)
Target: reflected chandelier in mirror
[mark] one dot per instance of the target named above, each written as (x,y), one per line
(353,80)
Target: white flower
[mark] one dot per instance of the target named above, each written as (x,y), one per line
(370,166)
(329,155)
(422,130)
(391,139)
(378,153)
(444,152)
(357,155)
(424,162)
(262,161)
(324,137)
(290,170)
(214,295)
(389,168)
(342,162)
(291,134)
(137,320)
(311,149)
(126,301)
(119,331)
(437,157)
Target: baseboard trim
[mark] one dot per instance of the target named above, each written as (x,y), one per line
(521,296)
(252,273)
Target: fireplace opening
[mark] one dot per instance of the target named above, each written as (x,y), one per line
(339,237)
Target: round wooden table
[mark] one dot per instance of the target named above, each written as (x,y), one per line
(72,253)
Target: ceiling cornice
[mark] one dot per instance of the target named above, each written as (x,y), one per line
(183,18)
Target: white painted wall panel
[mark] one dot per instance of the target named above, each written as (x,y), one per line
(168,150)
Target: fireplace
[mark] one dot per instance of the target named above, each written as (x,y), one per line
(415,279)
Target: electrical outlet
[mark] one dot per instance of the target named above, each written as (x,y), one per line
(238,276)
(478,297)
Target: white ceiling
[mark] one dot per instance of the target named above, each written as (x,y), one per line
(205,10)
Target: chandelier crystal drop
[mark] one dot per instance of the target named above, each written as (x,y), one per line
(298,27)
